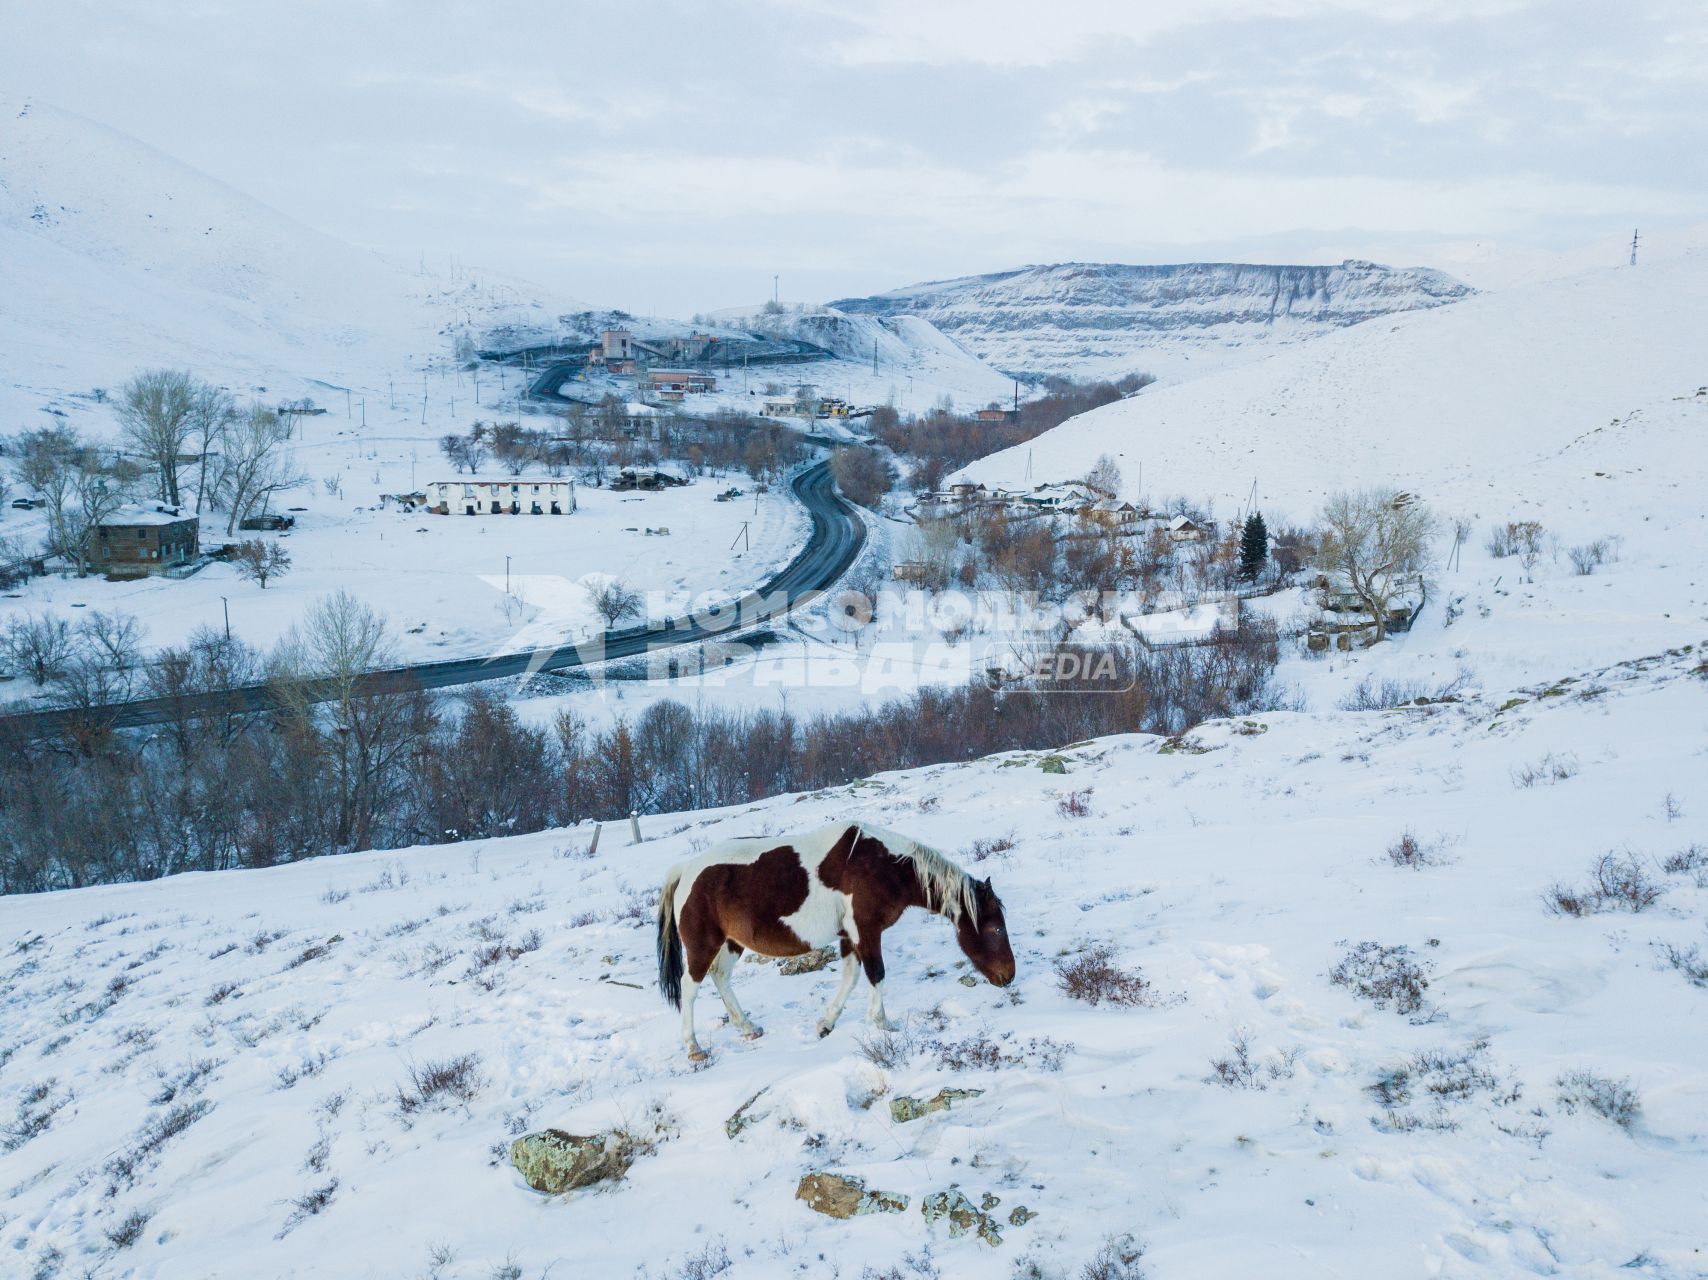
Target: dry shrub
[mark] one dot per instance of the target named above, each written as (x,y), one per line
(1075,804)
(988,846)
(1688,961)
(1383,976)
(1616,884)
(1239,1070)
(453,1080)
(1094,977)
(1611,1099)
(981,1053)
(1409,851)
(1117,1259)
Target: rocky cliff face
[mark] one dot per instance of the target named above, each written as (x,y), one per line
(1105,319)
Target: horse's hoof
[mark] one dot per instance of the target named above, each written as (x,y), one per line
(698,1055)
(753,1033)
(823,1031)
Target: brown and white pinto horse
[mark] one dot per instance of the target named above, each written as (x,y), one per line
(787,895)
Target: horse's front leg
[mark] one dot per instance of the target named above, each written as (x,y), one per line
(833,1010)
(872,959)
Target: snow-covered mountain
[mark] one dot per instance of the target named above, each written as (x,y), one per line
(1107,319)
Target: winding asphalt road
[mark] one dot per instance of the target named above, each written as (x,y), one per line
(837,535)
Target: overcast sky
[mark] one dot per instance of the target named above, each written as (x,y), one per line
(670,157)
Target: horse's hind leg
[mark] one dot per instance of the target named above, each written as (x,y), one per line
(833,1010)
(720,978)
(690,989)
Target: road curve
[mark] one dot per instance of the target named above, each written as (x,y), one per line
(838,534)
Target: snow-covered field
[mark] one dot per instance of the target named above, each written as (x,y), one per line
(273,1016)
(441,579)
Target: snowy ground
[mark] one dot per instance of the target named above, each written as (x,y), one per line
(285,1008)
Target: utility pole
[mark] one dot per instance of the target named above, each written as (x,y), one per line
(364,411)
(226,605)
(1633,247)
(774,290)
(506,575)
(874,357)
(347,410)
(742,538)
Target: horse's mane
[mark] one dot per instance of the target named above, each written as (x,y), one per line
(948,889)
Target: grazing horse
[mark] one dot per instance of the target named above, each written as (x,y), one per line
(788,895)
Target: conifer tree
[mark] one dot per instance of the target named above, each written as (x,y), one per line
(1253,547)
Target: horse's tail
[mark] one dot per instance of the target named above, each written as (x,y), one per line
(669,942)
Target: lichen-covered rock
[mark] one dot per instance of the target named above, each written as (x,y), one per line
(811,962)
(961,1215)
(989,1201)
(742,1117)
(553,1161)
(904,1108)
(837,1196)
(1020,1216)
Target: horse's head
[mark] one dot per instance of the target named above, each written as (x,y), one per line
(983,934)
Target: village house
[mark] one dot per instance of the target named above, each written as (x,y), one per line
(1184,529)
(1060,499)
(994,414)
(1112,513)
(516,496)
(138,540)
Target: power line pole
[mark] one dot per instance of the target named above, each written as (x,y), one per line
(1633,248)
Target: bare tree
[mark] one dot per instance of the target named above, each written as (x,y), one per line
(212,411)
(113,639)
(1105,476)
(257,463)
(613,600)
(79,489)
(39,646)
(156,410)
(257,560)
(1376,539)
(323,675)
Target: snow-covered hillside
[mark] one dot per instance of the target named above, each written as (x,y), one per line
(1105,320)
(1543,401)
(114,257)
(880,359)
(202,1076)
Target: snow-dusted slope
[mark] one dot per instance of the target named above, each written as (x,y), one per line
(114,256)
(1542,398)
(1104,319)
(905,347)
(222,1054)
